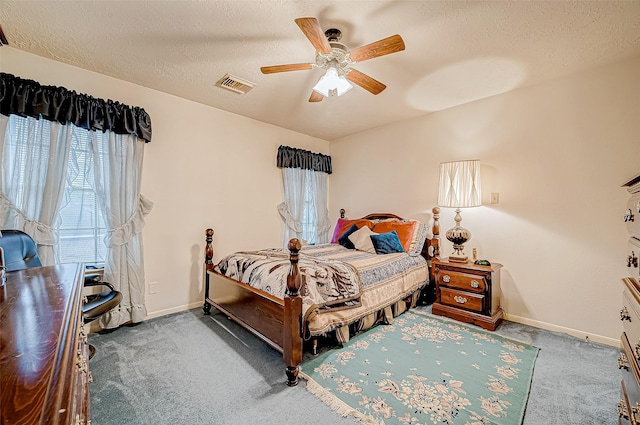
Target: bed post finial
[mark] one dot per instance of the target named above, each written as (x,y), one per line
(292,347)
(208,249)
(342,212)
(435,243)
(293,279)
(208,266)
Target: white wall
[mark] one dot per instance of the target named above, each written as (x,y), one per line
(203,168)
(557,155)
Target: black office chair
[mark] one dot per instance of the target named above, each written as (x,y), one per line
(21,252)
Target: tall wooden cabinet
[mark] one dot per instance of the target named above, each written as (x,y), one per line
(44,371)
(629,358)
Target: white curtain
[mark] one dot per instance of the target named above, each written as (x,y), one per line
(118,174)
(322,212)
(33,178)
(304,210)
(292,209)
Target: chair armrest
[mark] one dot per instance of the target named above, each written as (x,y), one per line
(93,277)
(89,283)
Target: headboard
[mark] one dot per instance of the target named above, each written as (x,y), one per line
(431,248)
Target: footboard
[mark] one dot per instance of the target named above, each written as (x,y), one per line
(277,322)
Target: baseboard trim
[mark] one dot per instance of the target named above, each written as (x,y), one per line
(555,328)
(172,310)
(511,317)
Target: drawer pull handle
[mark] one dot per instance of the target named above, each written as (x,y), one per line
(622,410)
(446,278)
(475,284)
(459,299)
(632,260)
(624,314)
(628,216)
(634,412)
(82,365)
(623,362)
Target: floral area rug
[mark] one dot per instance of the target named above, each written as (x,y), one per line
(425,369)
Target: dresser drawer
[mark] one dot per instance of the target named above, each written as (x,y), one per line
(623,407)
(464,281)
(462,299)
(630,383)
(630,316)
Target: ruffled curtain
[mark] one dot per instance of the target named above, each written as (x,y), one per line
(324,224)
(304,210)
(118,177)
(292,209)
(118,135)
(34,162)
(28,98)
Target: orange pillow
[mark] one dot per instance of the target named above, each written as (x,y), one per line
(405,230)
(343,225)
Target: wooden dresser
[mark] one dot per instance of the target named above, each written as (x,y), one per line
(468,292)
(44,376)
(629,358)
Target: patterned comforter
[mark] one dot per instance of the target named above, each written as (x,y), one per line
(325,283)
(334,279)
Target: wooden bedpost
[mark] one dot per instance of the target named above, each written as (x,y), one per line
(435,242)
(208,266)
(292,349)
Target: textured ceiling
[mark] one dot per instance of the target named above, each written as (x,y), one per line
(456,51)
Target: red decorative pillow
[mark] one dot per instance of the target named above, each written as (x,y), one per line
(404,229)
(343,225)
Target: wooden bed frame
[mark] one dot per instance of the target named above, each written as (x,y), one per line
(279,322)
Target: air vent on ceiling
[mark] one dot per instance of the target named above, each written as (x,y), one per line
(235,84)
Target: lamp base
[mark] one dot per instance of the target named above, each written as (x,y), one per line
(453,258)
(458,236)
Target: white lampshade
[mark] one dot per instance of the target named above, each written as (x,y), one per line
(332,83)
(460,184)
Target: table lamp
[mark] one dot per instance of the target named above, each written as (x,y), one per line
(459,188)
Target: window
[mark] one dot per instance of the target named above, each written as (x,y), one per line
(309,220)
(80,225)
(304,209)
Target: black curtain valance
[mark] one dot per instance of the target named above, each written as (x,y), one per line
(298,158)
(29,98)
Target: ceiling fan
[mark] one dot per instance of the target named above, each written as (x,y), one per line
(335,58)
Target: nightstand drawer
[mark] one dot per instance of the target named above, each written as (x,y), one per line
(461,299)
(465,281)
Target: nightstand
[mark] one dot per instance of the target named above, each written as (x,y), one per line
(468,292)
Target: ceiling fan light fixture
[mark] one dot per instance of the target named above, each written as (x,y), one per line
(333,83)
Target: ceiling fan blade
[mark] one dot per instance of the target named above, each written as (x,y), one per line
(363,80)
(315,96)
(312,30)
(378,48)
(285,68)
(3,39)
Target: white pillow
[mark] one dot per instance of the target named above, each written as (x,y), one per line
(361,239)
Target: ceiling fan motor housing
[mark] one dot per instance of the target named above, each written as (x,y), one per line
(339,54)
(333,34)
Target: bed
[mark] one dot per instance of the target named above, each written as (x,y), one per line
(292,298)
